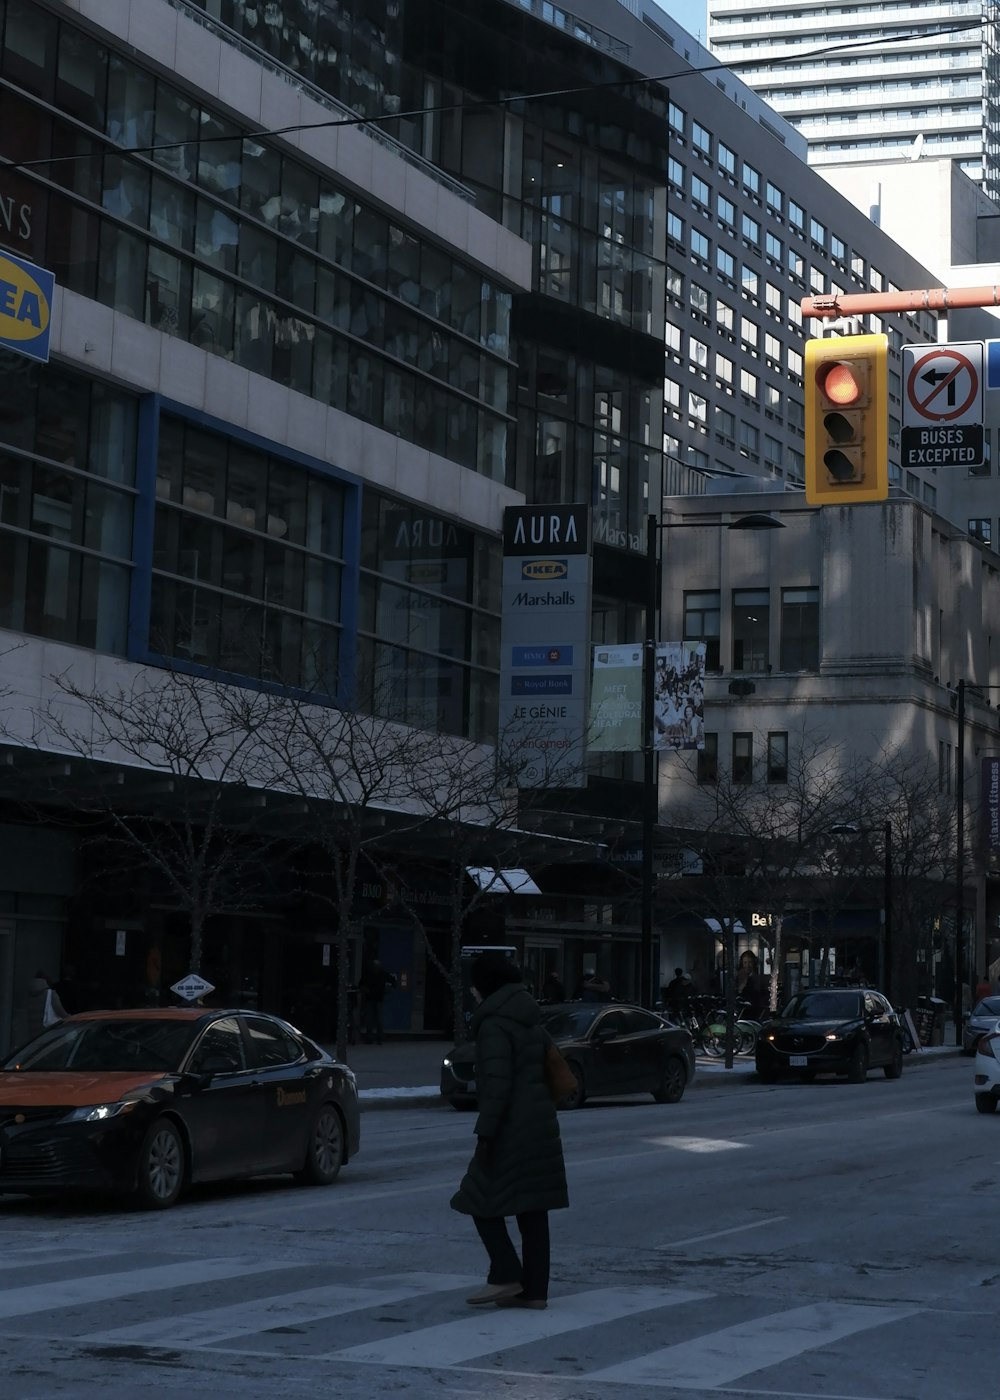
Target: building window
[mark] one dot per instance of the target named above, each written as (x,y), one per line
(702,613)
(66,505)
(701,193)
(751,625)
(699,245)
(701,138)
(751,282)
(675,172)
(725,263)
(748,384)
(742,759)
(708,761)
(677,118)
(800,629)
(727,159)
(675,227)
(726,210)
(777,758)
(981,530)
(725,316)
(774,247)
(751,179)
(817,232)
(750,230)
(796,215)
(775,198)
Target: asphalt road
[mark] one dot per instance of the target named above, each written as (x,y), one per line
(823,1242)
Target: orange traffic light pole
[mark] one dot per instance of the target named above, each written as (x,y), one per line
(930,299)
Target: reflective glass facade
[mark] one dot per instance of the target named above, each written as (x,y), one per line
(250,253)
(67,489)
(581,176)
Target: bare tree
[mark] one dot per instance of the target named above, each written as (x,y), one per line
(176,780)
(758,844)
(479,819)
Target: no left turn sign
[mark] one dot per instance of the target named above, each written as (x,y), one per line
(943,384)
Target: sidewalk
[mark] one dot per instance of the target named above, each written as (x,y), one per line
(406,1072)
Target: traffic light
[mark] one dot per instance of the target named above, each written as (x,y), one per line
(847,419)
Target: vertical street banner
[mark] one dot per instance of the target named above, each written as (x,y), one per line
(616,700)
(616,718)
(679,696)
(545,643)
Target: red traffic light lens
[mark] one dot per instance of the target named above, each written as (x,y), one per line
(840,383)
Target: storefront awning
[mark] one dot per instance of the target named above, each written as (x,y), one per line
(492,881)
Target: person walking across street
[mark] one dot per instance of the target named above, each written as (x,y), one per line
(372,985)
(517,1168)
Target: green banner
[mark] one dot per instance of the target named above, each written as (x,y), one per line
(616,700)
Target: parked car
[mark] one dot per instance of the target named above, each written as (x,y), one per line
(986,1076)
(983,1018)
(832,1031)
(612,1048)
(147,1102)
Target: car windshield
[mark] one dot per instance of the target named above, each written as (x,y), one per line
(570,1022)
(989,1006)
(823,1006)
(141,1045)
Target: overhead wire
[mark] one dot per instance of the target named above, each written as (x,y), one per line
(482,104)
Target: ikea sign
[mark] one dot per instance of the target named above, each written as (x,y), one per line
(26,293)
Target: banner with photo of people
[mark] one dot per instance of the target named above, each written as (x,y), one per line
(679,696)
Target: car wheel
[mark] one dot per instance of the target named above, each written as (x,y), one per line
(673,1081)
(578,1096)
(160,1171)
(986,1103)
(857,1070)
(894,1069)
(325,1150)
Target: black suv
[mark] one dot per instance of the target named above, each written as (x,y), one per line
(832,1030)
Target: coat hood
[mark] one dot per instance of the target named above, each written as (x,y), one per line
(37,987)
(512,1002)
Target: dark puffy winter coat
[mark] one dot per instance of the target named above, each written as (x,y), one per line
(521,1166)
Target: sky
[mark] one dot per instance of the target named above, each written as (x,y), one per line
(689,13)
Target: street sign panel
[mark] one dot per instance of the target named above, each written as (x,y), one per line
(942,405)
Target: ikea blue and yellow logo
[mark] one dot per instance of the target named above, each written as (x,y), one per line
(544,570)
(26,293)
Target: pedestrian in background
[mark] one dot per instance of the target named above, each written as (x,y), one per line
(552,987)
(371,985)
(517,1168)
(43,1007)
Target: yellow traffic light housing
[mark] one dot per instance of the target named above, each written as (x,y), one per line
(847,419)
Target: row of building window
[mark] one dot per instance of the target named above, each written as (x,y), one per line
(222,240)
(750,628)
(741,767)
(251,568)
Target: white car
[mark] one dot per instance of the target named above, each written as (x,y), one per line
(987,1072)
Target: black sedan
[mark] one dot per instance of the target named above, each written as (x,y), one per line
(832,1031)
(147,1102)
(611,1049)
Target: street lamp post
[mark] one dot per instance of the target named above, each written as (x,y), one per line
(756,520)
(885,914)
(959,858)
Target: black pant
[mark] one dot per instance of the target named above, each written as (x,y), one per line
(505,1267)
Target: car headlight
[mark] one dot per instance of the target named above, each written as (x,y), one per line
(99,1112)
(447,1062)
(833,1035)
(772,1036)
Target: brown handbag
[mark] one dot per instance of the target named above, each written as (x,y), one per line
(560,1079)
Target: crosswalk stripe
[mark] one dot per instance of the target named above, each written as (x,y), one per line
(214,1325)
(720,1358)
(497,1329)
(99,1288)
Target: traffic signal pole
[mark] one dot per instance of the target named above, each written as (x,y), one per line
(930,299)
